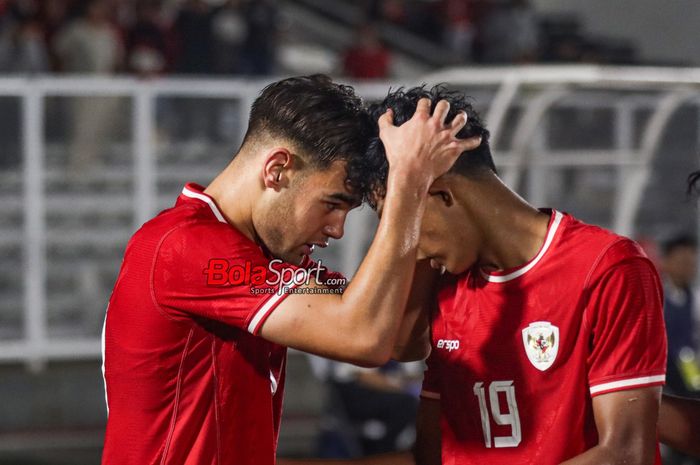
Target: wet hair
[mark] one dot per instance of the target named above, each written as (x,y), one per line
(403,104)
(679,241)
(326,121)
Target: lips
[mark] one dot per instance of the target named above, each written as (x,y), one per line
(308,248)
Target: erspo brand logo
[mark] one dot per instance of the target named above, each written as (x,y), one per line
(449,344)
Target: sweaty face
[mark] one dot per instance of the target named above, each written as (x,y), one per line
(308,213)
(447,236)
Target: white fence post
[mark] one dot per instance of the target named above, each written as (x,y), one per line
(143,126)
(35,318)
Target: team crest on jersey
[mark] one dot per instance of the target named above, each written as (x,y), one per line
(541,341)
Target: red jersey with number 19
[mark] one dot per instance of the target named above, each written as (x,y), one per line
(518,355)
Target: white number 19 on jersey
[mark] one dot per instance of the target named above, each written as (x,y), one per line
(511,417)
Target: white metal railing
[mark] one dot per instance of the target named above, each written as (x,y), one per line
(536,90)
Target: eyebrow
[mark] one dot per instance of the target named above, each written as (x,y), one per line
(348,199)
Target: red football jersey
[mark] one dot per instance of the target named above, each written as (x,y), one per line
(517,356)
(188,381)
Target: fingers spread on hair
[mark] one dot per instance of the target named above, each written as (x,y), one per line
(470,144)
(458,122)
(423,108)
(386,120)
(441,110)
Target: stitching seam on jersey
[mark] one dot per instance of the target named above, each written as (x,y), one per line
(282,375)
(216,398)
(586,324)
(153,272)
(177,398)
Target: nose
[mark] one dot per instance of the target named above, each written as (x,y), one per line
(336,228)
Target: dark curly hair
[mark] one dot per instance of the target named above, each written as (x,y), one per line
(403,103)
(325,120)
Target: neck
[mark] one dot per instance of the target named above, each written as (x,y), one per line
(512,231)
(233,193)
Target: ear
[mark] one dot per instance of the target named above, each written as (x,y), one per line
(277,161)
(443,191)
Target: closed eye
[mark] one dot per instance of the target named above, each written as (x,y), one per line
(331,206)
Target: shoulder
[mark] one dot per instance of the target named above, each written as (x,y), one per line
(186,231)
(602,247)
(621,254)
(202,237)
(624,269)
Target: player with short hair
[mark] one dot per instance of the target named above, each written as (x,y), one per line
(198,323)
(547,341)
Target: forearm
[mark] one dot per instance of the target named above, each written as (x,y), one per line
(396,458)
(372,305)
(413,341)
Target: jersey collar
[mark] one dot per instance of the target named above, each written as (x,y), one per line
(195,191)
(551,232)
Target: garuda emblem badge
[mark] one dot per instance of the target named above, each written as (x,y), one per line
(541,341)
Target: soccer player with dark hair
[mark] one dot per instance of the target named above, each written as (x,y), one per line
(196,331)
(547,338)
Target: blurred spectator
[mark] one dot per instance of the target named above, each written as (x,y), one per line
(679,269)
(393,11)
(509,33)
(459,30)
(260,48)
(679,266)
(90,45)
(367,58)
(54,14)
(147,45)
(193,29)
(22,47)
(230,31)
(369,410)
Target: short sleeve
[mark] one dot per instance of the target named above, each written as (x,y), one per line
(214,272)
(628,339)
(431,378)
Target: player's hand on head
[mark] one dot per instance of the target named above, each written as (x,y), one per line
(424,147)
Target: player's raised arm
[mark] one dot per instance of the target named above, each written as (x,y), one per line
(361,325)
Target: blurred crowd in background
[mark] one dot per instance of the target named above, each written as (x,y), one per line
(242,37)
(365,411)
(147,37)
